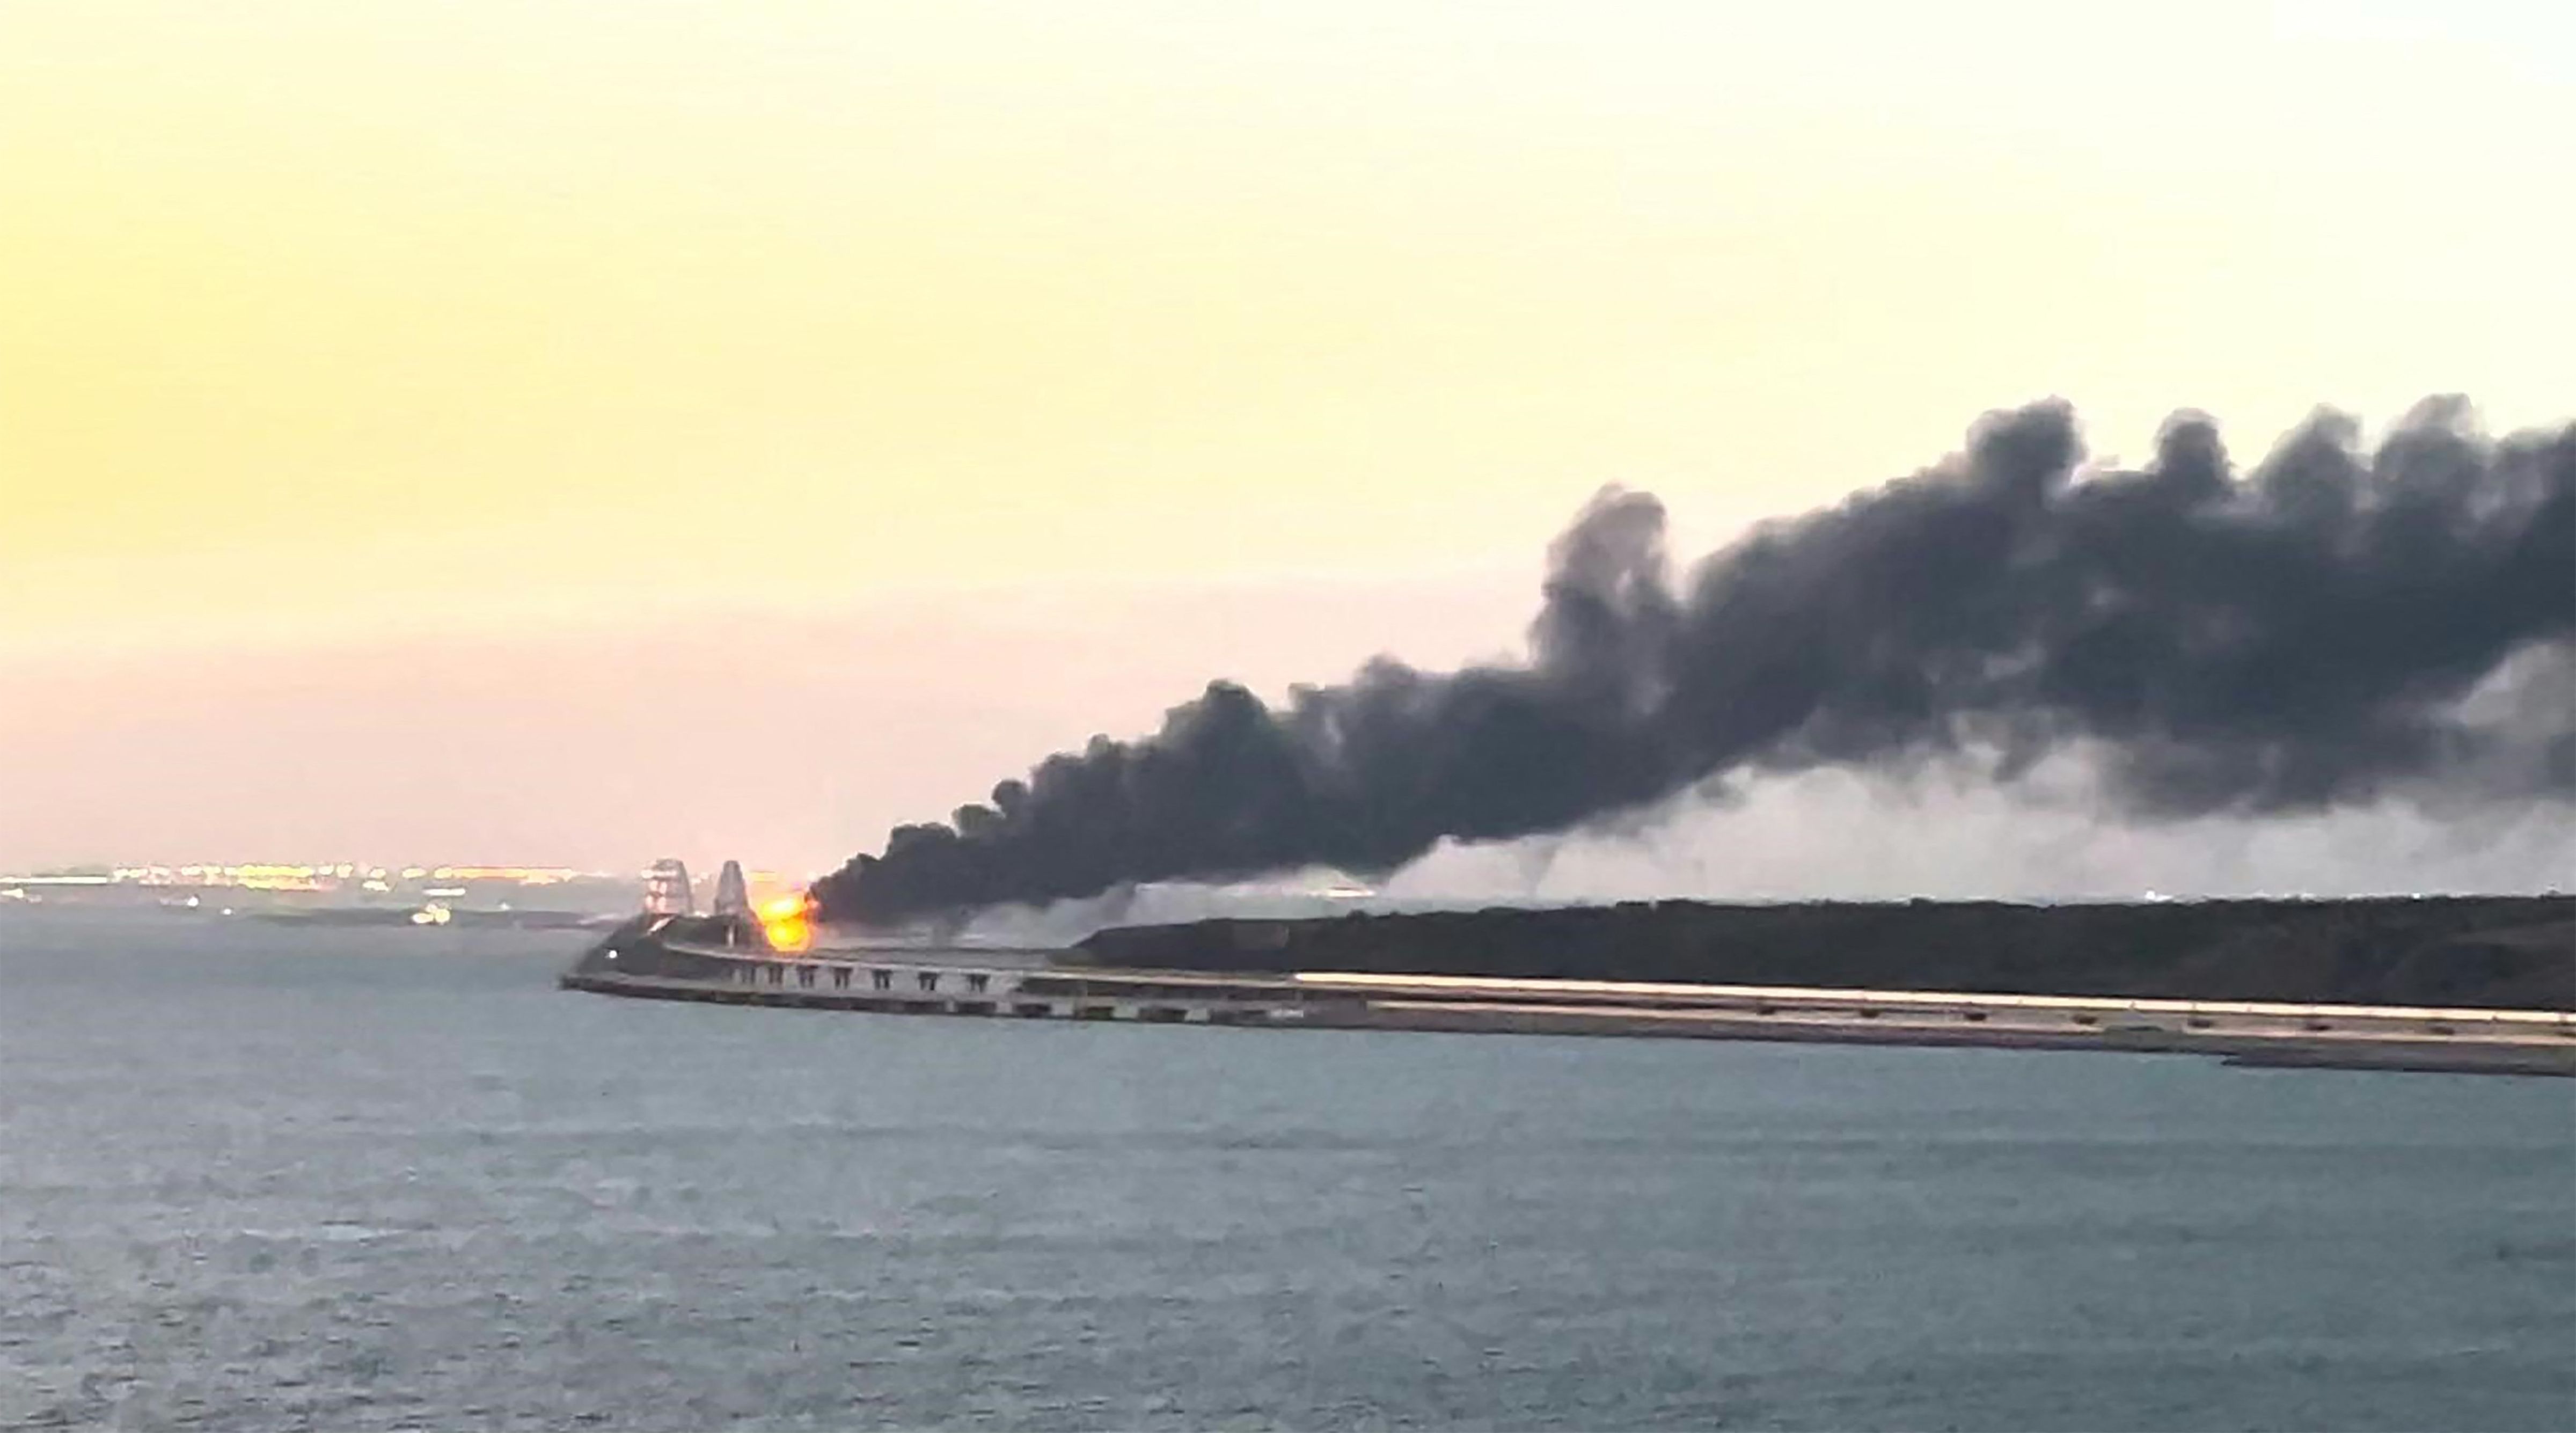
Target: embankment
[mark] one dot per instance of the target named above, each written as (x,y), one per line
(2498,952)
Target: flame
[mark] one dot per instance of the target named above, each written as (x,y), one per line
(788,921)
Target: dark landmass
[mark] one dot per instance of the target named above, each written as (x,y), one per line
(2501,952)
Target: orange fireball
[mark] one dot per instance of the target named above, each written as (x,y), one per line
(788,922)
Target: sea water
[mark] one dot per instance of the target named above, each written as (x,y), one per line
(259,1177)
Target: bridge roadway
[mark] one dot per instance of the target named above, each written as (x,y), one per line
(1024,983)
(1949,1007)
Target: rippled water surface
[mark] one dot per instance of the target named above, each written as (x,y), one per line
(257,1178)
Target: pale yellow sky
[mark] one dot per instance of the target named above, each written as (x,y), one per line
(330,320)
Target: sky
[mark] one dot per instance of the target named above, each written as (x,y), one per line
(578,433)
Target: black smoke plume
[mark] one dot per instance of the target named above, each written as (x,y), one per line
(2334,626)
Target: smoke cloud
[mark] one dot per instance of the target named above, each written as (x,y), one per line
(2336,626)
